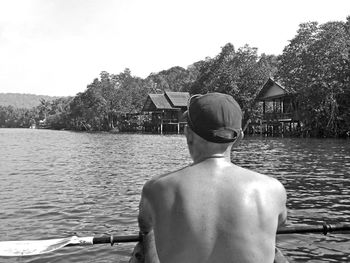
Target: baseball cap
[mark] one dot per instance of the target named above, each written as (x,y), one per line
(216,117)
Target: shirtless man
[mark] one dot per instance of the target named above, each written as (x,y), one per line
(211,211)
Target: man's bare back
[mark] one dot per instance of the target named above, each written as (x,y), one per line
(215,211)
(212,211)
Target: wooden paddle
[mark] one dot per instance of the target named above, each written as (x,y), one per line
(36,247)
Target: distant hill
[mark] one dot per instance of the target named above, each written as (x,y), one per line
(19,100)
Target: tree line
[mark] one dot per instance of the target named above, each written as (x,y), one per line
(316,64)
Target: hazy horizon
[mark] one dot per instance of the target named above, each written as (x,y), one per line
(58,47)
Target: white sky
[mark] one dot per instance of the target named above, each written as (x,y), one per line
(57,47)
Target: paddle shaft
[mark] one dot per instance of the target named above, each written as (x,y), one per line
(116,239)
(324,229)
(109,240)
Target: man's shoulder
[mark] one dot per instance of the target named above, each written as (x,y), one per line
(164,180)
(264,181)
(272,185)
(267,187)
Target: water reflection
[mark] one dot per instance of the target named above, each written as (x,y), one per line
(59,183)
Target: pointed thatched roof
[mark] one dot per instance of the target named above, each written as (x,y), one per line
(177,99)
(272,90)
(166,101)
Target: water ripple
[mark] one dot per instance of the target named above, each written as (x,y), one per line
(60,183)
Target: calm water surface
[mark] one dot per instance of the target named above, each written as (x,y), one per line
(58,184)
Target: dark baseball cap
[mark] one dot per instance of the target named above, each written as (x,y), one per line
(216,117)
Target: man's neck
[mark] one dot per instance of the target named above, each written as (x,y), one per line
(204,157)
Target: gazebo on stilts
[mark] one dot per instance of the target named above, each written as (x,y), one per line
(280,111)
(165,112)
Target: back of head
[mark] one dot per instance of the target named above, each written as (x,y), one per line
(215,117)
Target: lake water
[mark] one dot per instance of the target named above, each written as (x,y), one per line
(59,183)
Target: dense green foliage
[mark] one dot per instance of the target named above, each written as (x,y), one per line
(11,117)
(316,64)
(240,73)
(56,113)
(107,100)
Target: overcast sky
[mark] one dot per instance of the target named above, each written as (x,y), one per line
(57,47)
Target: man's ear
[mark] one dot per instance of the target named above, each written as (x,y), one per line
(242,134)
(239,137)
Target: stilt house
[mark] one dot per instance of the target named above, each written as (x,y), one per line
(280,112)
(165,112)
